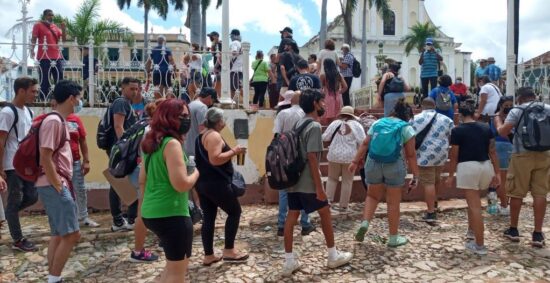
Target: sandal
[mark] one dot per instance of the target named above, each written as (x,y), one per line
(240,258)
(217,259)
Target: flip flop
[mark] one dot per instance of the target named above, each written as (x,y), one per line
(237,259)
(218,259)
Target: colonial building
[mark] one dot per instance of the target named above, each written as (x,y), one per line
(405,13)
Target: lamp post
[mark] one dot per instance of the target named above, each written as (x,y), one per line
(380,58)
(511,46)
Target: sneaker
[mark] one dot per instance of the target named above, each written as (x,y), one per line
(119,226)
(360,235)
(280,232)
(290,267)
(504,211)
(129,224)
(430,217)
(144,256)
(473,247)
(396,241)
(90,223)
(512,234)
(340,259)
(470,235)
(538,240)
(307,230)
(24,245)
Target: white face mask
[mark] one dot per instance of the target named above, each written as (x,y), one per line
(458,81)
(78,107)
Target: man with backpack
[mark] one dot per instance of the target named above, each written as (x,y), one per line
(122,117)
(15,123)
(432,142)
(308,194)
(287,62)
(346,67)
(445,99)
(489,96)
(54,184)
(530,162)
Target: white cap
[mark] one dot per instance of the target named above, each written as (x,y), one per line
(161,36)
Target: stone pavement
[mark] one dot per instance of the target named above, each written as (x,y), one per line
(434,254)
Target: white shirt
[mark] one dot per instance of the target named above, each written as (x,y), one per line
(346,141)
(237,57)
(493,96)
(286,119)
(23,126)
(435,147)
(197,63)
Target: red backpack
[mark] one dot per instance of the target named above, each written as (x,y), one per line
(27,157)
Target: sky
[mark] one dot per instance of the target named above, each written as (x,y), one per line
(479,25)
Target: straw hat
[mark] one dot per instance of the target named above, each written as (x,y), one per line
(349,111)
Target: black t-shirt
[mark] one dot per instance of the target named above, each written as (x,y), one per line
(287,59)
(302,82)
(123,106)
(473,141)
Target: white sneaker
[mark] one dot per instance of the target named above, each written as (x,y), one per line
(122,227)
(90,223)
(340,259)
(290,267)
(470,235)
(128,226)
(504,211)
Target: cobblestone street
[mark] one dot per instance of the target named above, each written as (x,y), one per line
(434,254)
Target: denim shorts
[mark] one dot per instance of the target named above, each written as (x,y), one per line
(134,179)
(61,210)
(504,153)
(389,174)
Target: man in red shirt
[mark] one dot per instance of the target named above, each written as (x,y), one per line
(48,35)
(460,90)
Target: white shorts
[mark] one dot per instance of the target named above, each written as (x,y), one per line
(474,175)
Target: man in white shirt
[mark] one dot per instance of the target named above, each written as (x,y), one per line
(236,63)
(432,152)
(285,122)
(489,96)
(15,123)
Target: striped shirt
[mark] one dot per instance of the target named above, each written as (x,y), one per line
(348,60)
(429,66)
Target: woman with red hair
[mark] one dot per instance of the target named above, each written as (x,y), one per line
(165,183)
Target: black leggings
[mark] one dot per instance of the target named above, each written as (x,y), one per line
(212,196)
(175,233)
(259,93)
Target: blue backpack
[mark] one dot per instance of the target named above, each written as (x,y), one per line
(385,145)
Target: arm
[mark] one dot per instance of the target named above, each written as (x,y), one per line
(85,157)
(3,185)
(283,73)
(494,159)
(406,86)
(360,155)
(63,31)
(505,129)
(214,145)
(118,122)
(3,138)
(482,102)
(421,60)
(148,65)
(343,85)
(31,47)
(177,171)
(452,163)
(46,161)
(439,57)
(385,77)
(316,175)
(410,156)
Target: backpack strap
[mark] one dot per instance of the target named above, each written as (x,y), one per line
(15,121)
(303,126)
(519,120)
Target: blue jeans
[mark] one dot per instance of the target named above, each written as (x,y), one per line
(283,209)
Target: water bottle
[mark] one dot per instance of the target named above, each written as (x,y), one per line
(492,206)
(191,165)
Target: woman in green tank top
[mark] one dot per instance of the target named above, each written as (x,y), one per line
(165,183)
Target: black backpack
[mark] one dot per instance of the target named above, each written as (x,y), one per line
(533,128)
(395,84)
(284,162)
(15,118)
(125,152)
(106,136)
(356,68)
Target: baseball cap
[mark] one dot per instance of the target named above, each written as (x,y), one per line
(208,91)
(288,95)
(491,59)
(235,32)
(287,29)
(213,33)
(429,41)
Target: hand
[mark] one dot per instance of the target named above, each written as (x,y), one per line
(85,168)
(495,182)
(32,53)
(3,174)
(3,185)
(321,195)
(239,149)
(413,183)
(352,167)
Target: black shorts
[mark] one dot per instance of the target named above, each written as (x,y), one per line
(305,201)
(162,78)
(236,79)
(175,233)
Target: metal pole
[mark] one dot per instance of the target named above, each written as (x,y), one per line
(245,46)
(91,72)
(226,94)
(364,45)
(510,56)
(25,38)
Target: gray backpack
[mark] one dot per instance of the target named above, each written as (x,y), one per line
(443,101)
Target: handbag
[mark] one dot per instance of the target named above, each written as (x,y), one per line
(194,211)
(419,139)
(237,185)
(252,78)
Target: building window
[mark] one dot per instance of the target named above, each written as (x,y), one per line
(389,25)
(113,54)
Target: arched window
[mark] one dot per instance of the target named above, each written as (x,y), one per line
(389,24)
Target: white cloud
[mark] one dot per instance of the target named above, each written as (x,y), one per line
(333,9)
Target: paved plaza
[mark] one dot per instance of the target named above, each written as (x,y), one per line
(435,253)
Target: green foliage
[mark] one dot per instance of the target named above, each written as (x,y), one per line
(382,8)
(160,6)
(416,38)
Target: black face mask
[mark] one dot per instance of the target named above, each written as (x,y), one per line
(321,112)
(506,110)
(185,125)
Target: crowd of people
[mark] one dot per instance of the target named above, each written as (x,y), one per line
(183,156)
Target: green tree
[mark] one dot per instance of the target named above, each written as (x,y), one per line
(160,6)
(193,20)
(204,6)
(416,38)
(381,6)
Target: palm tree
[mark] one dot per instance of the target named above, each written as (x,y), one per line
(161,6)
(204,6)
(416,39)
(86,23)
(382,7)
(193,21)
(323,31)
